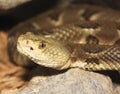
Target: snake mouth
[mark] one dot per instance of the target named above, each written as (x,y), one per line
(45,63)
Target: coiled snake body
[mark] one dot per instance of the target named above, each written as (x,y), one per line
(81,36)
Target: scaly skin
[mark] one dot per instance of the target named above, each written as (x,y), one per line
(49,52)
(62,16)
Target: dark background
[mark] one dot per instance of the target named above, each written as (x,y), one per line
(11,17)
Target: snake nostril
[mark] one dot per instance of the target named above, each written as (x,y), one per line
(31,48)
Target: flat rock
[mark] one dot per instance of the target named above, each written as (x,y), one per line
(73,81)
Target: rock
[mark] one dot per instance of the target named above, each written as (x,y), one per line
(73,81)
(7,4)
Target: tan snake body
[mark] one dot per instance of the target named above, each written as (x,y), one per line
(78,36)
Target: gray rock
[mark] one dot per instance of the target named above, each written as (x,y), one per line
(74,81)
(7,4)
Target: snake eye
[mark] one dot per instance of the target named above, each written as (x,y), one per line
(42,44)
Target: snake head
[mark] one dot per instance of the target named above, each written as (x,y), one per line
(44,50)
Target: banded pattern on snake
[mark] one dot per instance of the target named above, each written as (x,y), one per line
(77,36)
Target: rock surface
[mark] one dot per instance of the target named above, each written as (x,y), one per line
(74,81)
(7,4)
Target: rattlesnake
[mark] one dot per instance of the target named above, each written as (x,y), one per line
(81,36)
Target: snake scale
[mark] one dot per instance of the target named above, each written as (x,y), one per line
(81,36)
